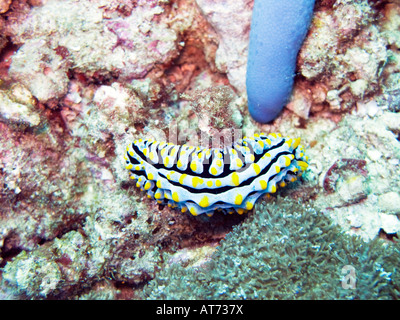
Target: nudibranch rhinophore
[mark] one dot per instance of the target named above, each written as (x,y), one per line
(201,180)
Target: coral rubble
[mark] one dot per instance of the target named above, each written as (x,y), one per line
(80,80)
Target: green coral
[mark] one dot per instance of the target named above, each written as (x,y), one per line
(286,250)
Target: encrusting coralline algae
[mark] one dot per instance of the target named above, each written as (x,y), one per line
(81,80)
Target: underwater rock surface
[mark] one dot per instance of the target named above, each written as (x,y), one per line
(80,80)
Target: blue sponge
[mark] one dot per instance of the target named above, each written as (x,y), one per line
(277,32)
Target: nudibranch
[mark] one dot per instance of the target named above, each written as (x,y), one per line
(202,180)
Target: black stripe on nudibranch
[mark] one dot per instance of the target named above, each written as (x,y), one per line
(201,180)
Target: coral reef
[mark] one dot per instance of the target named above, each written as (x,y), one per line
(126,46)
(285,250)
(216,108)
(44,73)
(233,38)
(18,107)
(365,155)
(39,200)
(80,80)
(204,180)
(119,243)
(343,56)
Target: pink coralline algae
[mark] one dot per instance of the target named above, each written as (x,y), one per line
(36,187)
(338,169)
(80,80)
(45,74)
(128,47)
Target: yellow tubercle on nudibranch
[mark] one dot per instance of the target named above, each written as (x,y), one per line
(201,180)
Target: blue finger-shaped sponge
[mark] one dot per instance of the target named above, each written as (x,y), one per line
(278,29)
